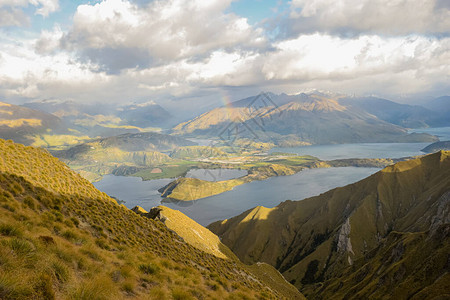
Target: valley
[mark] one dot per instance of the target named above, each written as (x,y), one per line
(224,150)
(216,193)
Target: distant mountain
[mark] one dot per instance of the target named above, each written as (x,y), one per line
(387,236)
(438,146)
(100,119)
(144,115)
(65,109)
(60,238)
(121,154)
(306,118)
(21,123)
(410,116)
(92,119)
(441,104)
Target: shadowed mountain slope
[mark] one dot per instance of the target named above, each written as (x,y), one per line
(409,116)
(60,238)
(20,123)
(441,104)
(382,236)
(145,114)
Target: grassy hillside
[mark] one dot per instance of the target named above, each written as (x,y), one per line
(60,238)
(191,232)
(375,238)
(188,189)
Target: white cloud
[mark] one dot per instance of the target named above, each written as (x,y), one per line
(367,63)
(12,11)
(370,16)
(45,7)
(117,51)
(161,31)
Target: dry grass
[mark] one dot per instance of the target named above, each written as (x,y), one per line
(60,238)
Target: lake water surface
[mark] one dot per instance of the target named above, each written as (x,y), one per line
(268,193)
(369,150)
(363,150)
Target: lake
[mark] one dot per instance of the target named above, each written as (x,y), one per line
(368,150)
(363,150)
(268,193)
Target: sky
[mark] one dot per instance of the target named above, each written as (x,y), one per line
(189,54)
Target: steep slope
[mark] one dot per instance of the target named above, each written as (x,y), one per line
(60,238)
(304,118)
(410,116)
(21,123)
(329,244)
(191,232)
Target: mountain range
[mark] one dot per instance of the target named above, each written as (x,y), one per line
(409,116)
(314,118)
(95,118)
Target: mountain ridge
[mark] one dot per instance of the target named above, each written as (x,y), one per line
(313,119)
(312,241)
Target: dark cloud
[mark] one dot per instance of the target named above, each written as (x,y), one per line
(113,60)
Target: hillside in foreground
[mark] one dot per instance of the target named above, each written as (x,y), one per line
(384,237)
(60,238)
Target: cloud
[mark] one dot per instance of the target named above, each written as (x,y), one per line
(367,63)
(156,33)
(117,51)
(12,16)
(12,11)
(350,17)
(49,41)
(45,7)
